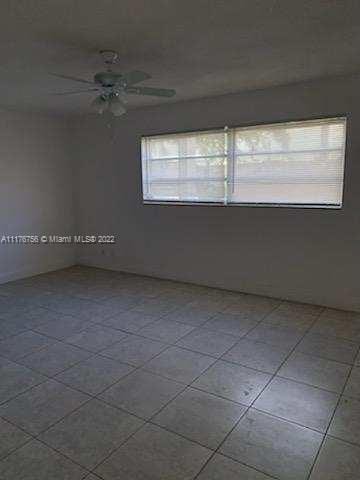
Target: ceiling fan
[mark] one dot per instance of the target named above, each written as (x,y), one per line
(112,87)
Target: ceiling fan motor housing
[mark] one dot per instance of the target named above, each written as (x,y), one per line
(107,79)
(112,87)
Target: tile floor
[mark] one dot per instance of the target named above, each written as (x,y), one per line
(112,376)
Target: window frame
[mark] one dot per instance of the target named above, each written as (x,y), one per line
(330,206)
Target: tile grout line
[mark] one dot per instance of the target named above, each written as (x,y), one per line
(186,386)
(92,397)
(143,366)
(218,450)
(93,323)
(168,345)
(96,397)
(176,344)
(131,308)
(36,438)
(149,421)
(331,419)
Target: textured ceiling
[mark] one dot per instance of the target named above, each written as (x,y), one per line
(200,47)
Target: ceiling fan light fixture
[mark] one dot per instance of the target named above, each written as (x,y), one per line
(114,86)
(116,106)
(99,105)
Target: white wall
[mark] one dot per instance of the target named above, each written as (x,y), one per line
(309,255)
(36,191)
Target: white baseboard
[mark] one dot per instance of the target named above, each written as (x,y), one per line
(36,269)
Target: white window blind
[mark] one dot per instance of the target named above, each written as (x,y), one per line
(294,163)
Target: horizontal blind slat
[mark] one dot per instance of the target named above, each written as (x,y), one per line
(287,163)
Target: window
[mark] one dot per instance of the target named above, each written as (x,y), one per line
(293,164)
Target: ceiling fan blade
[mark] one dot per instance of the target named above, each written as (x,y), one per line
(156,92)
(133,77)
(77,91)
(74,79)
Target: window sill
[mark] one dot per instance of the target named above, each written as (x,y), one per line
(263,205)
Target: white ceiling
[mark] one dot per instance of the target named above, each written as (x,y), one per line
(200,47)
